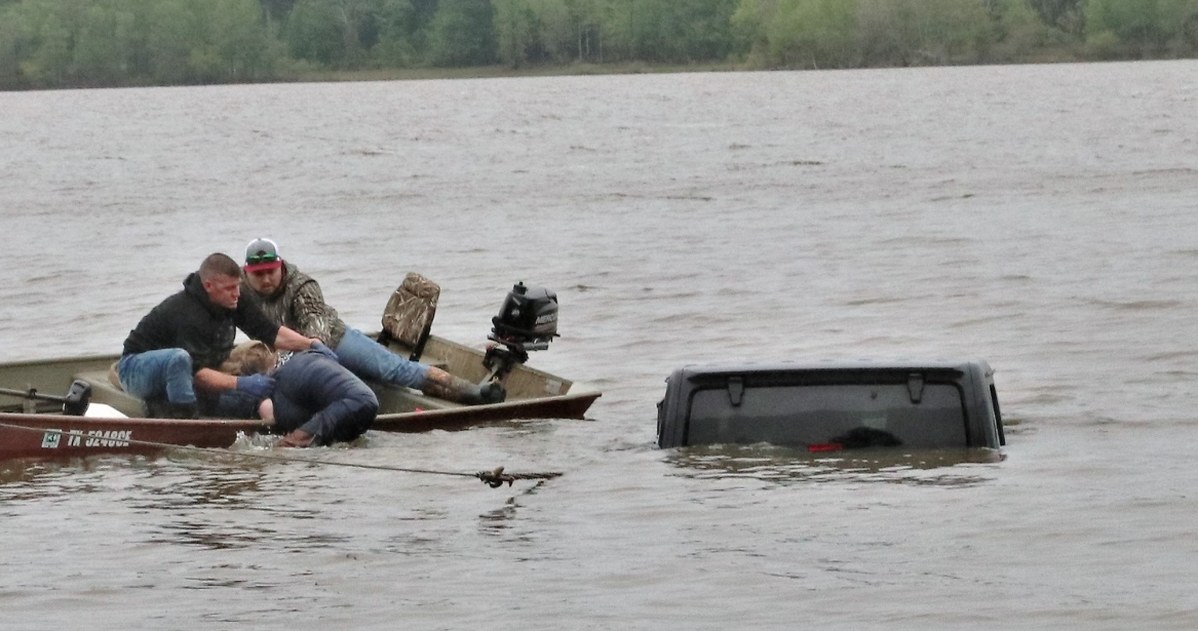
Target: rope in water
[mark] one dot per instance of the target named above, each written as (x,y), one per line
(493,478)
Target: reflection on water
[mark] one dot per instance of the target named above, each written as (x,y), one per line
(498,522)
(32,479)
(206,482)
(786,465)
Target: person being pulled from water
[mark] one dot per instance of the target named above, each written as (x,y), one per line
(316,400)
(171,359)
(291,298)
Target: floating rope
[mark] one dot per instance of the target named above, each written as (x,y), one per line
(497,477)
(494,478)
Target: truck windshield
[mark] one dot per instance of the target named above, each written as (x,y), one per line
(851,415)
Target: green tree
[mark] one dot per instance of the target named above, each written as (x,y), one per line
(1066,15)
(1021,36)
(15,39)
(800,33)
(463,34)
(586,29)
(516,31)
(230,43)
(102,44)
(274,12)
(43,52)
(671,32)
(170,36)
(338,33)
(924,32)
(705,30)
(396,23)
(51,43)
(1143,28)
(556,32)
(648,20)
(312,33)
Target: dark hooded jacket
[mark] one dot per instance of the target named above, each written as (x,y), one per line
(191,321)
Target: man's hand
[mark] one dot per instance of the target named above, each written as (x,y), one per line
(296,438)
(260,386)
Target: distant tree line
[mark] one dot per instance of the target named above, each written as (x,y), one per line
(66,43)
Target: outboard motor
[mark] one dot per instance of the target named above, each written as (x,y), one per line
(526,322)
(75,403)
(78,397)
(528,318)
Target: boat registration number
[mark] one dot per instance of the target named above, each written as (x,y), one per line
(53,438)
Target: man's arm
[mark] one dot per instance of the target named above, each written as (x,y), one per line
(258,385)
(254,322)
(214,380)
(289,340)
(313,316)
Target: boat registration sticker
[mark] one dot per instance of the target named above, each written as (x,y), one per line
(51,439)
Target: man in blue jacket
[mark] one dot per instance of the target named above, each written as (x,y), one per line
(317,401)
(172,358)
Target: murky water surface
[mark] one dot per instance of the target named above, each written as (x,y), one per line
(1041,217)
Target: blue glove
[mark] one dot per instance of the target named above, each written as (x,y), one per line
(259,385)
(319,347)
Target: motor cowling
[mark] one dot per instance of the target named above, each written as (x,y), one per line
(528,318)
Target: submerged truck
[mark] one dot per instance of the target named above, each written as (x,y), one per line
(827,406)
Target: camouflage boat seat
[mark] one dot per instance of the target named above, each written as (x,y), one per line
(408,317)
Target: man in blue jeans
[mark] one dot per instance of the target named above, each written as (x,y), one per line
(172,358)
(293,299)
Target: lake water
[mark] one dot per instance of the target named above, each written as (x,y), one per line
(1040,217)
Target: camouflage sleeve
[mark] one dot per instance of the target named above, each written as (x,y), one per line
(313,317)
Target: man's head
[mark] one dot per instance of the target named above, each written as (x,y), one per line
(221,279)
(262,254)
(249,358)
(263,266)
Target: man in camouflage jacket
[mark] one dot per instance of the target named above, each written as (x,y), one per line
(292,298)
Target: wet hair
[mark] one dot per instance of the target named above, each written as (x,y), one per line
(249,358)
(218,264)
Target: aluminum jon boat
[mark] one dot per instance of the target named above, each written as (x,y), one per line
(88,414)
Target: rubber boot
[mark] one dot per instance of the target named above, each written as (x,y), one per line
(492,392)
(461,391)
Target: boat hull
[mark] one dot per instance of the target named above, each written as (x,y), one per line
(53,436)
(570,406)
(33,427)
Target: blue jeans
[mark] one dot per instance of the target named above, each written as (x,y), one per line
(158,375)
(166,374)
(368,359)
(230,404)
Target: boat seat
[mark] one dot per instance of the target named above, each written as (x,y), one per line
(106,389)
(408,316)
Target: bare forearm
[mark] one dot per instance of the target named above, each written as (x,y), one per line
(288,340)
(214,380)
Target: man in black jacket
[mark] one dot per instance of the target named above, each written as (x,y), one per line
(172,358)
